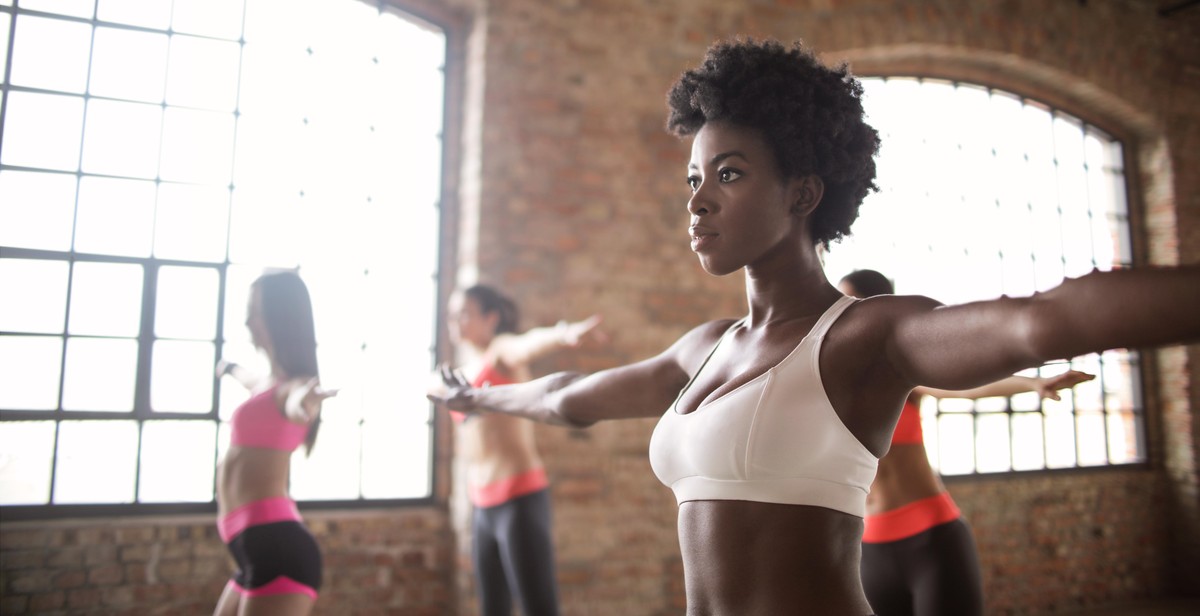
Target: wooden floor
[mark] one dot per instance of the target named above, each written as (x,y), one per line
(1159,607)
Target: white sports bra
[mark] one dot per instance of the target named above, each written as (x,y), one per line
(774,439)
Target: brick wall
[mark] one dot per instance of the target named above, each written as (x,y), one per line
(395,562)
(573,199)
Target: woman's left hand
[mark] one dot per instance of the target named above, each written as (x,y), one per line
(303,401)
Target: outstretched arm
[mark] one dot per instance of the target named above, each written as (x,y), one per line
(248,379)
(959,347)
(642,389)
(1045,386)
(521,349)
(302,399)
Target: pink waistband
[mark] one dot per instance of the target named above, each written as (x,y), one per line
(911,519)
(265,511)
(504,490)
(281,585)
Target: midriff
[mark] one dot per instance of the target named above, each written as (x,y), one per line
(751,558)
(249,474)
(904,477)
(497,447)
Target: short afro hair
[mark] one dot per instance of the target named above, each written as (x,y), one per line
(811,116)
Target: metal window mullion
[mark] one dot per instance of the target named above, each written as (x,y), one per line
(142,410)
(7,73)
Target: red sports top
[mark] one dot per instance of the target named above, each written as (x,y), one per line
(908,428)
(487,377)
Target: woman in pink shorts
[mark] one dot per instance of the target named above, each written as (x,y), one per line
(278,560)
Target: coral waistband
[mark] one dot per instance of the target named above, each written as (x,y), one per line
(504,490)
(911,519)
(265,511)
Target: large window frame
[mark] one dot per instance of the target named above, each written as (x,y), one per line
(229,275)
(957,154)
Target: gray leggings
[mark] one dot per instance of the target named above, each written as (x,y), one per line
(514,556)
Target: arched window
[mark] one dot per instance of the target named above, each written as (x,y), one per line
(155,157)
(986,193)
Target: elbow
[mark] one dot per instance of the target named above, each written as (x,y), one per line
(566,412)
(565,406)
(1047,331)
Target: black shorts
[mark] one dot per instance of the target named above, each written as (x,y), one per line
(276,558)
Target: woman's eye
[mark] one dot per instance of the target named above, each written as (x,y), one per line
(729,175)
(693,182)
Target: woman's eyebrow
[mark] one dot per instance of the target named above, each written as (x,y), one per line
(720,157)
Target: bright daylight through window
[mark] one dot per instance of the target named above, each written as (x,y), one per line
(985,194)
(156,157)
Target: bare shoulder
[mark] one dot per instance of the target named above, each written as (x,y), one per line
(690,350)
(862,335)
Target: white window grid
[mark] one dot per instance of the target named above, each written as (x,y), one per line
(987,193)
(154,158)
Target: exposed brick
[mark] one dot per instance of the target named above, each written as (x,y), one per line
(15,605)
(44,602)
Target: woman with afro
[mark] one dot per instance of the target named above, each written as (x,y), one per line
(772,423)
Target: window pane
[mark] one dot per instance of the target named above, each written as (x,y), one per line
(191,222)
(1029,451)
(238,279)
(116,217)
(42,130)
(36,210)
(1093,442)
(220,18)
(1124,437)
(955,435)
(396,457)
(148,13)
(992,443)
(186,306)
(122,138)
(333,471)
(97,461)
(129,64)
(203,73)
(197,146)
(260,214)
(181,376)
(1060,440)
(37,295)
(74,8)
(31,367)
(100,375)
(106,299)
(50,54)
(177,462)
(26,450)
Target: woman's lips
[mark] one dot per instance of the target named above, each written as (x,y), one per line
(702,237)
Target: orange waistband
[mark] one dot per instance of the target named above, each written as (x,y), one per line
(911,519)
(504,490)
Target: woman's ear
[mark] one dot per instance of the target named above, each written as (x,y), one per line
(806,194)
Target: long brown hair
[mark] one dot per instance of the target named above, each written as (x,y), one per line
(288,316)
